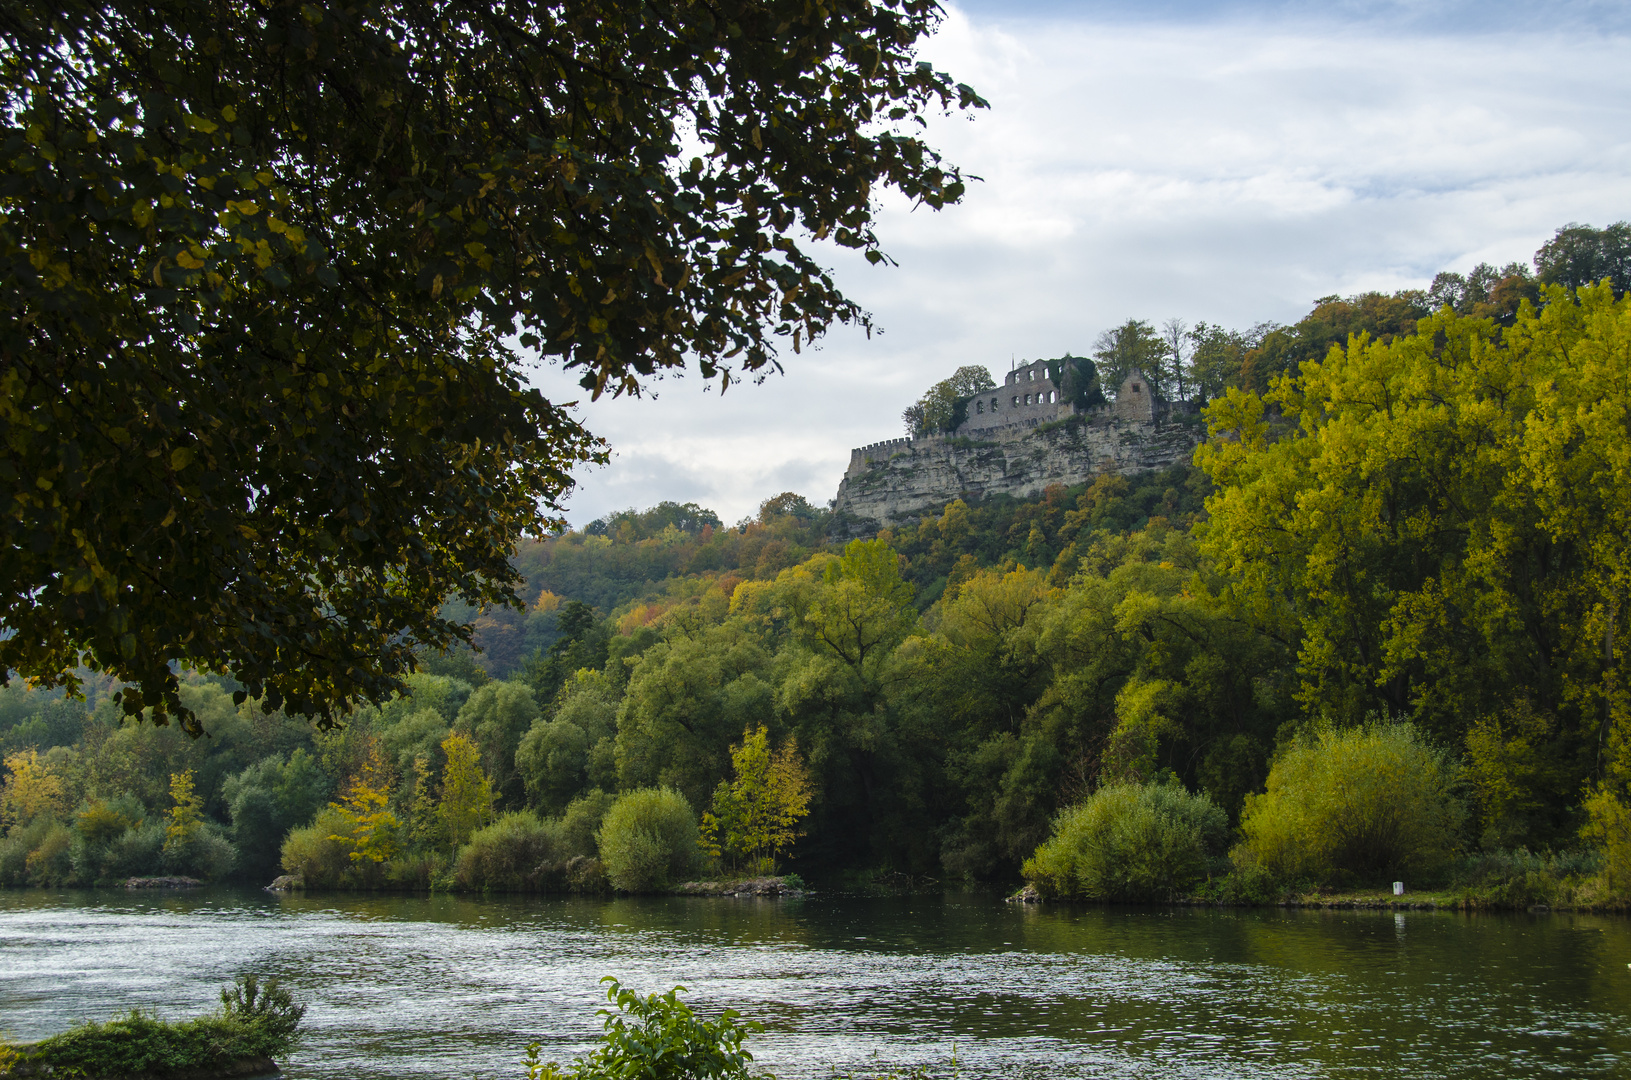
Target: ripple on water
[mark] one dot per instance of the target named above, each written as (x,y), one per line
(450,987)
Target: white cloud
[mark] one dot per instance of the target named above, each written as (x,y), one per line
(1231,171)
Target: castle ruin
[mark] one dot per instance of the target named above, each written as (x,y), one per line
(1018,439)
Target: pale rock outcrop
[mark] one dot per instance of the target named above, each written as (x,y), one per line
(1048,445)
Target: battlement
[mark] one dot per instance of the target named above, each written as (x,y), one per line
(881,451)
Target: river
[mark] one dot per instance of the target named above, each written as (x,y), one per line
(453,987)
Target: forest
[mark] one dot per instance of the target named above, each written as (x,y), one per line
(1376,628)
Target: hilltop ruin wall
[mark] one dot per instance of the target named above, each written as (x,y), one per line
(1021,441)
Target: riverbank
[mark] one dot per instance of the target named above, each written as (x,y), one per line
(789,886)
(1448,899)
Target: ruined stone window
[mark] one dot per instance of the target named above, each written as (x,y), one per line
(1031,375)
(1050,397)
(993,404)
(1137,389)
(1027,399)
(1016,399)
(979,406)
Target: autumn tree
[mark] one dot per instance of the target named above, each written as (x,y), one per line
(32,789)
(755,816)
(467,794)
(365,807)
(186,814)
(1441,532)
(270,276)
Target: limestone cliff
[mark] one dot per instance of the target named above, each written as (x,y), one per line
(905,477)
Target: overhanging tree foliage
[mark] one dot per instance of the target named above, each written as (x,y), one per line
(269,271)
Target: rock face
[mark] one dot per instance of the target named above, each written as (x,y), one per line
(904,477)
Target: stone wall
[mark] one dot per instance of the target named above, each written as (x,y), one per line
(905,477)
(1027,396)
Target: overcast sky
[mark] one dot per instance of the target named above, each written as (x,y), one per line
(1227,162)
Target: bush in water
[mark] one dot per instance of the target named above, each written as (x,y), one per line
(1131,842)
(656,1037)
(1373,801)
(648,839)
(255,1021)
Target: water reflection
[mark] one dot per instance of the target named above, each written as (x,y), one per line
(450,986)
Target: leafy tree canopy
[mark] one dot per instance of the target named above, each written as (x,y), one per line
(1132,346)
(946,403)
(632,524)
(1581,255)
(267,271)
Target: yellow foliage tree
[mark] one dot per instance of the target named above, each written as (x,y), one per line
(467,794)
(187,814)
(1437,523)
(1608,825)
(371,826)
(31,789)
(755,817)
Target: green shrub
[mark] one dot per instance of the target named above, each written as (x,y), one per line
(1608,828)
(254,1021)
(656,1037)
(509,854)
(1247,884)
(38,853)
(204,854)
(582,821)
(100,849)
(1522,878)
(1130,841)
(312,854)
(1373,801)
(135,854)
(648,840)
(418,869)
(268,1007)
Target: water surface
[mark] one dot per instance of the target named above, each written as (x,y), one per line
(408,987)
